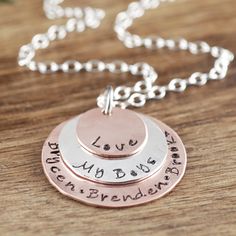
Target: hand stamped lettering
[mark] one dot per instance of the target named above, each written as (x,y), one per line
(143,168)
(122,193)
(99,172)
(151,161)
(53,161)
(133,173)
(119,173)
(170,139)
(133,142)
(94,193)
(119,147)
(84,166)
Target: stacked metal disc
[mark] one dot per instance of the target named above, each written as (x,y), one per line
(117,160)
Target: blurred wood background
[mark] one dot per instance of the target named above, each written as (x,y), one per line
(31,105)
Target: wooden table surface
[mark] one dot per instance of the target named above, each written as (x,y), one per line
(31,105)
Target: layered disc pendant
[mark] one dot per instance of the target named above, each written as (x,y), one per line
(118,160)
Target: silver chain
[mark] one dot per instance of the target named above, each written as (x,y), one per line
(78,19)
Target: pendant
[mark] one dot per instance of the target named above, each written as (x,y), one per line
(117,159)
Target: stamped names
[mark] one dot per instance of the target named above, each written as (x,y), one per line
(98,194)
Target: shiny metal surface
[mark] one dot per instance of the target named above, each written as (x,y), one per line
(116,196)
(118,135)
(113,171)
(81,18)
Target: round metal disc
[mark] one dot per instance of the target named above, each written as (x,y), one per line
(149,189)
(113,171)
(120,134)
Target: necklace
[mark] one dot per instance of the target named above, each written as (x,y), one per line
(111,156)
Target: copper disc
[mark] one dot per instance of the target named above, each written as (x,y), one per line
(118,135)
(104,195)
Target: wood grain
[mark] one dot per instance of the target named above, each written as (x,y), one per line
(31,105)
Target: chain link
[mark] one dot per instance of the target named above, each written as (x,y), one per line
(78,19)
